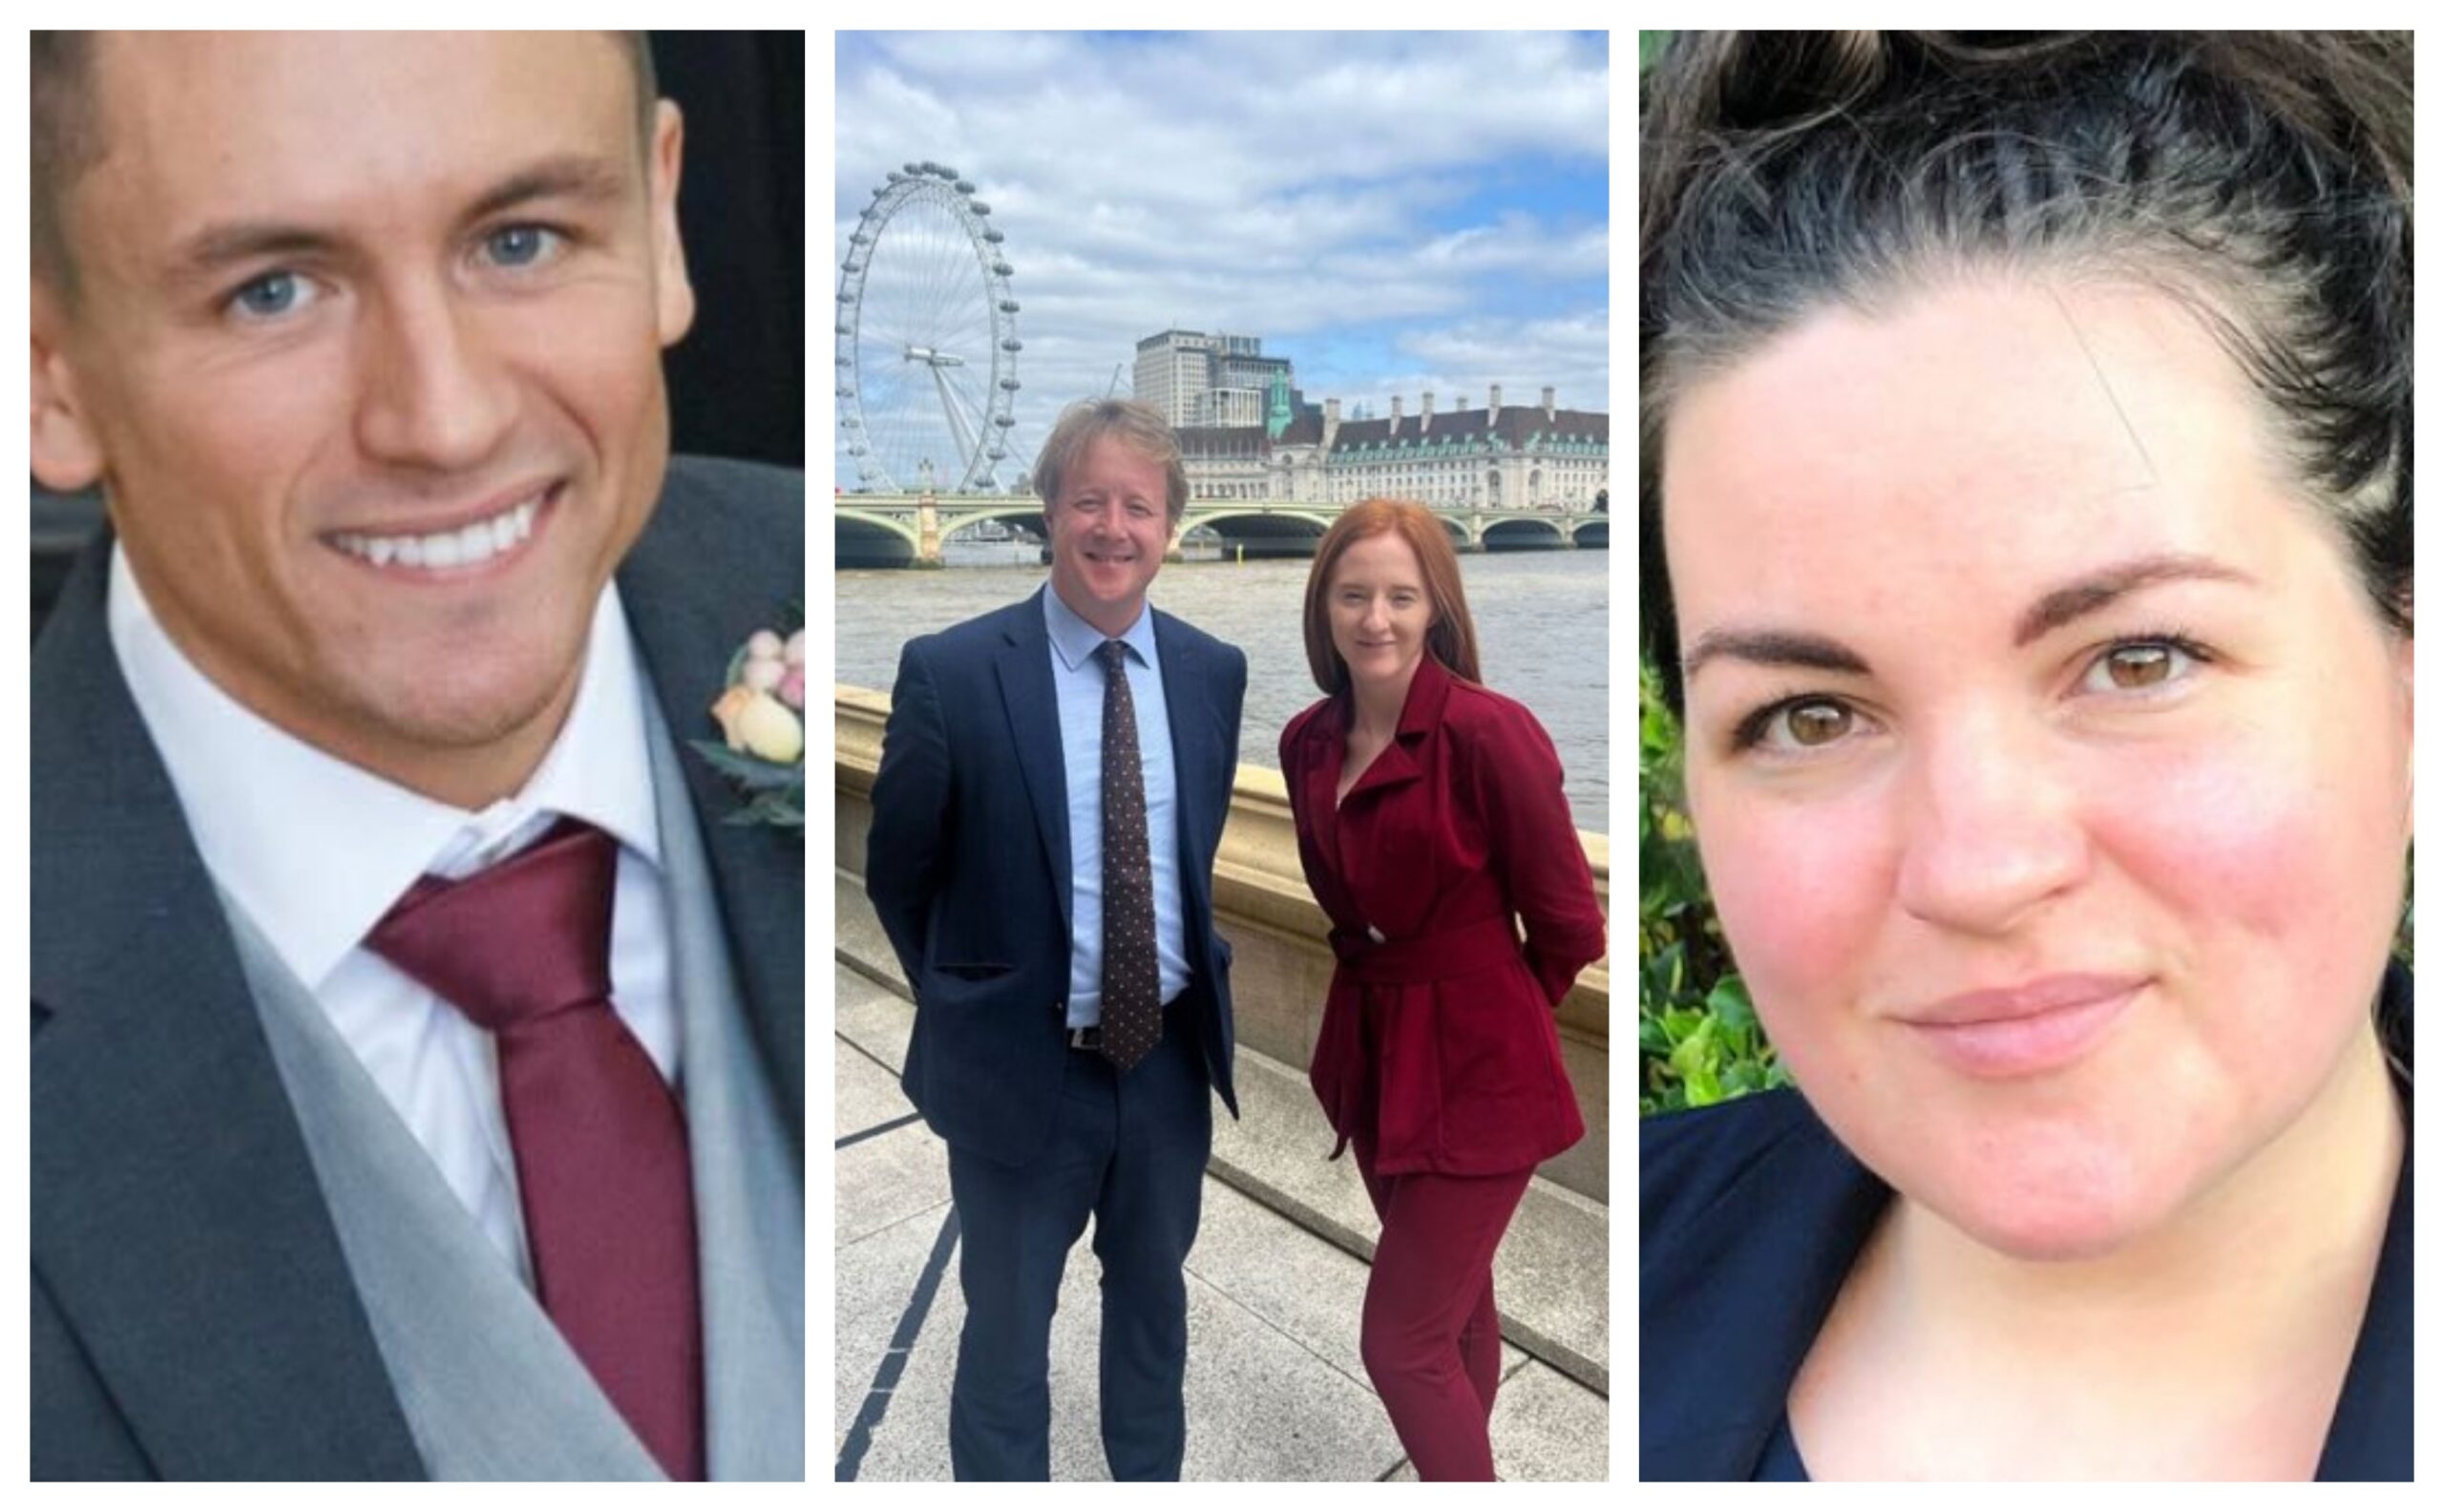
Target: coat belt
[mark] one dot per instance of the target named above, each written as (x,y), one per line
(1451,951)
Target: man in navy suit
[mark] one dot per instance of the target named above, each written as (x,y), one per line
(1054,782)
(361,338)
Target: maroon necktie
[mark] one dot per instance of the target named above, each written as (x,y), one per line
(523,949)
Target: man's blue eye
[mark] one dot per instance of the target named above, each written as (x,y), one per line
(272,294)
(518,247)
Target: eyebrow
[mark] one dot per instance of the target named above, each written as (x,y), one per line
(575,176)
(2075,600)
(2085,595)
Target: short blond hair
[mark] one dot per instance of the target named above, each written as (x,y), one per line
(1136,425)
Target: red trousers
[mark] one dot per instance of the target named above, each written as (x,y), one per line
(1430,1338)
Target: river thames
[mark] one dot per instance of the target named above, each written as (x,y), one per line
(1540,630)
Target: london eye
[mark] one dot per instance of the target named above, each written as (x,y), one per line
(927,359)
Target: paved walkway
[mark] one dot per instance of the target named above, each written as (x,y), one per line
(1275,1391)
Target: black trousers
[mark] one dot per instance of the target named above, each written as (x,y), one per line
(1129,1151)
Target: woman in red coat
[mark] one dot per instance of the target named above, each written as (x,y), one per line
(1430,816)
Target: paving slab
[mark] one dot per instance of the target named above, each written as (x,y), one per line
(1549,1274)
(856,932)
(871,1016)
(881,1181)
(864,1093)
(1275,1389)
(1313,1291)
(876,1282)
(1262,1405)
(1548,1427)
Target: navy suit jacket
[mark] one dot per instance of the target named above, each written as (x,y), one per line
(193,1317)
(968,866)
(1751,1215)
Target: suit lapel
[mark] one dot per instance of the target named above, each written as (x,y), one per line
(685,637)
(2371,1435)
(1775,1258)
(177,1222)
(1195,746)
(1421,714)
(1024,671)
(1326,738)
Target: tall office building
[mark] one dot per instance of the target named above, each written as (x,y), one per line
(1196,379)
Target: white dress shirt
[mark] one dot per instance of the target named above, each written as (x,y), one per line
(316,850)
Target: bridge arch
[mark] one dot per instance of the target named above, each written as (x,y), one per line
(1264,532)
(862,539)
(1023,516)
(1525,533)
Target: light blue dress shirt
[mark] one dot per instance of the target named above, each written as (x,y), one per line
(1078,682)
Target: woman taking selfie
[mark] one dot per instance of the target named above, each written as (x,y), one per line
(1430,815)
(2025,515)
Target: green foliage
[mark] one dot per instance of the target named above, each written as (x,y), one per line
(1698,1039)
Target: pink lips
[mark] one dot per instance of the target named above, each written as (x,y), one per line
(2037,1026)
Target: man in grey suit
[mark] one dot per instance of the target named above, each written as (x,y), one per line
(403,613)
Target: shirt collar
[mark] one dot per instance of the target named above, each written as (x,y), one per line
(316,849)
(1075,641)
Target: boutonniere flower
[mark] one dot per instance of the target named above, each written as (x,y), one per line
(762,715)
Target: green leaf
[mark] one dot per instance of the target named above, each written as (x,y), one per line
(1729,1002)
(751,773)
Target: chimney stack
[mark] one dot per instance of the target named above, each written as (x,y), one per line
(1426,413)
(1396,415)
(1493,405)
(1549,402)
(1332,411)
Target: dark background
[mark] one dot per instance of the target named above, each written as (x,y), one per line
(738,381)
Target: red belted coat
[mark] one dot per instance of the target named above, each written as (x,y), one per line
(1437,1034)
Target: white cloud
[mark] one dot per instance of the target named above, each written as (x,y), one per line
(1299,186)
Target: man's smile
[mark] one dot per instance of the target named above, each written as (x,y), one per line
(486,541)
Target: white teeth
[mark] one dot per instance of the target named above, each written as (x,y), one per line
(464,547)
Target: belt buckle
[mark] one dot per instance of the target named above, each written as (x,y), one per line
(1087,1037)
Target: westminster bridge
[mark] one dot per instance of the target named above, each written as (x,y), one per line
(908,530)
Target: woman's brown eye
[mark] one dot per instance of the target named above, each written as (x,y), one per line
(1817,724)
(2138,667)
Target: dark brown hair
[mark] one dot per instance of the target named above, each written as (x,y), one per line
(2262,179)
(1452,638)
(67,134)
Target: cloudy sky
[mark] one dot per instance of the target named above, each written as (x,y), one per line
(1395,212)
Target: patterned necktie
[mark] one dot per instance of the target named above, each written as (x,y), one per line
(523,950)
(1132,984)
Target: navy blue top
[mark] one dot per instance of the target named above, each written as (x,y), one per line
(1751,1215)
(1780,1461)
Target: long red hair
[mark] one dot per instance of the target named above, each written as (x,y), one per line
(1451,640)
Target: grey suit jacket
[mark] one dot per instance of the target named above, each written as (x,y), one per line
(193,1316)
